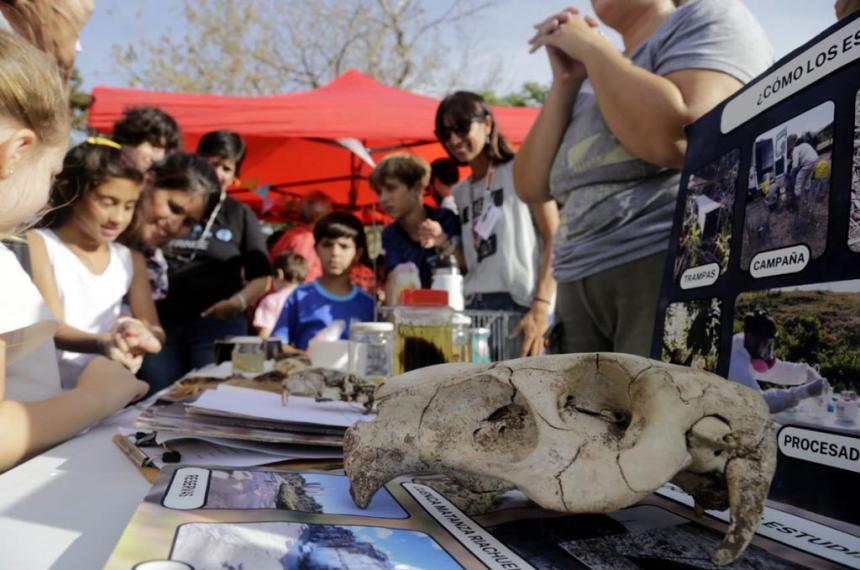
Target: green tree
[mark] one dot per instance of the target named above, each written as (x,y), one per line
(703,338)
(801,339)
(79,102)
(531,94)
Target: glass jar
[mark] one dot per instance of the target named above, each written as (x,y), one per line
(248,355)
(460,338)
(424,330)
(480,345)
(371,350)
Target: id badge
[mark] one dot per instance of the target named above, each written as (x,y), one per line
(488,220)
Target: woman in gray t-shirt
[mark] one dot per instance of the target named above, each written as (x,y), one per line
(609,143)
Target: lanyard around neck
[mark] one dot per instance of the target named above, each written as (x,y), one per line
(488,191)
(208,227)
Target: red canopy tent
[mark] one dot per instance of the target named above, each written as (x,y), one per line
(307,140)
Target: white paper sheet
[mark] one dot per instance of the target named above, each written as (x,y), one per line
(197,452)
(247,402)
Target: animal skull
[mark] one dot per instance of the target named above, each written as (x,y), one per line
(583,433)
(326,385)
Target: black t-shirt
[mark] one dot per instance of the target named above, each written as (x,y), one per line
(400,248)
(233,247)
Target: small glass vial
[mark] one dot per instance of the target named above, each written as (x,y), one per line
(480,345)
(460,339)
(248,354)
(371,350)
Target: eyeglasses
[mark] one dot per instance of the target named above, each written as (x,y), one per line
(461,127)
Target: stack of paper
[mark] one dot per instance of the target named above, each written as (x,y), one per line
(237,413)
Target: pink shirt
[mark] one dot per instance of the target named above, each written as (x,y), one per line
(269,309)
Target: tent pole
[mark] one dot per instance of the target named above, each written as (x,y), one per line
(354,170)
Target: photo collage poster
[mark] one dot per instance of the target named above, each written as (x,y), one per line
(212,518)
(762,281)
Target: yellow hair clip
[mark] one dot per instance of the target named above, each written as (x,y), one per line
(103,141)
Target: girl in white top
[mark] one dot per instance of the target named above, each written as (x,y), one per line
(82,274)
(507,244)
(33,136)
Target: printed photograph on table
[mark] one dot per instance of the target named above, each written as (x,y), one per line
(800,346)
(273,545)
(302,492)
(854,215)
(643,536)
(789,186)
(706,232)
(691,333)
(476,503)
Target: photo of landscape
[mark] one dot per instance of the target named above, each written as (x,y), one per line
(706,232)
(297,546)
(303,492)
(854,214)
(691,334)
(789,185)
(817,326)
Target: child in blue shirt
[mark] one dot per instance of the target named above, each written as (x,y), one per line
(340,241)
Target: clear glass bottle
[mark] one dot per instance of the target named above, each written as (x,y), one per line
(460,340)
(371,350)
(480,345)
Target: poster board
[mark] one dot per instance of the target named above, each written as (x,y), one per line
(766,235)
(201,518)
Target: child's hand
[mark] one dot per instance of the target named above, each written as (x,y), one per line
(431,234)
(135,337)
(225,309)
(111,383)
(114,347)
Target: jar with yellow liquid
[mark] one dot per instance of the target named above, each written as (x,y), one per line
(249,354)
(424,330)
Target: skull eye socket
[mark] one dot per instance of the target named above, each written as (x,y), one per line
(615,421)
(509,431)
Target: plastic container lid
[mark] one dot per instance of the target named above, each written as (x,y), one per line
(245,339)
(371,327)
(424,298)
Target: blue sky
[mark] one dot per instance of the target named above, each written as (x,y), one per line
(502,33)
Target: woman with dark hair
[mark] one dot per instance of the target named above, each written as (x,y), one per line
(609,143)
(216,271)
(507,245)
(181,191)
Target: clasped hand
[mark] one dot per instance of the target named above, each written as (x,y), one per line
(568,38)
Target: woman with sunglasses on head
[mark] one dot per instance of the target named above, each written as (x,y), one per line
(507,244)
(609,143)
(217,270)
